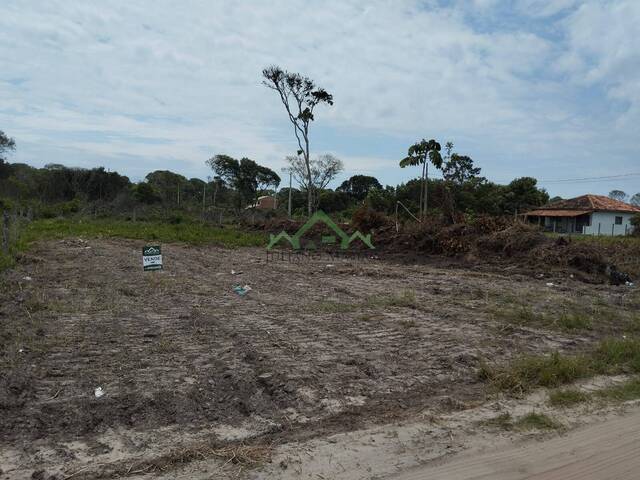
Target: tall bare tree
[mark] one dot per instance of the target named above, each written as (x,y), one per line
(323,169)
(300,96)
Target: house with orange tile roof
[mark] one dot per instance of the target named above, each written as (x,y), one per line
(587,214)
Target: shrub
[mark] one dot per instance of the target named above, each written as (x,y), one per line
(635,221)
(366,219)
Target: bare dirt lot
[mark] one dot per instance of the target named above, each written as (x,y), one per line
(190,369)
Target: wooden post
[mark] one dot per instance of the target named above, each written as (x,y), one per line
(5,232)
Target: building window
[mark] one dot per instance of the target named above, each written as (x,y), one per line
(618,220)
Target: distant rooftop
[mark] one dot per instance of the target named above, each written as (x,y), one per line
(590,202)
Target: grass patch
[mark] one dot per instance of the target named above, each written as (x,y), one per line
(191,233)
(574,321)
(331,307)
(617,356)
(537,421)
(629,390)
(406,299)
(567,398)
(611,356)
(524,315)
(531,421)
(530,372)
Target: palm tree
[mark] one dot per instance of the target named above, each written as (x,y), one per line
(418,154)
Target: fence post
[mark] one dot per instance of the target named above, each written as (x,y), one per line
(5,232)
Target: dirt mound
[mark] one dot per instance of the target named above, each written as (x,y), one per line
(490,239)
(516,239)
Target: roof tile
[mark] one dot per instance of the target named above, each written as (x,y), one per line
(592,202)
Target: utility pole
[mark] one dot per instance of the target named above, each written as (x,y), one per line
(216,181)
(204,197)
(288,169)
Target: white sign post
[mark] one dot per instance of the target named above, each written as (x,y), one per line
(151,258)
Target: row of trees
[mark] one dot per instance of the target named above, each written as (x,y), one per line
(238,183)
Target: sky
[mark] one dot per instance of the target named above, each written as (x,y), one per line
(542,88)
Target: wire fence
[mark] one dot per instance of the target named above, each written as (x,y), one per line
(13,223)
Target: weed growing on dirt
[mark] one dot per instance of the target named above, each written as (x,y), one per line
(501,422)
(573,321)
(629,390)
(524,315)
(331,307)
(530,372)
(526,373)
(537,421)
(567,397)
(531,421)
(615,356)
(405,299)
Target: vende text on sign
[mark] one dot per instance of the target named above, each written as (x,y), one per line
(151,258)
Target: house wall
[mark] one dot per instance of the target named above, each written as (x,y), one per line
(603,223)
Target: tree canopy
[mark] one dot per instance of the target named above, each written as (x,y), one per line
(245,175)
(358,186)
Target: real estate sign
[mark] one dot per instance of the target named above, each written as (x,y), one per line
(151,258)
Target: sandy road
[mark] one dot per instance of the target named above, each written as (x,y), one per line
(608,450)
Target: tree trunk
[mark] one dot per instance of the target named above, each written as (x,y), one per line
(421,192)
(426,188)
(309,179)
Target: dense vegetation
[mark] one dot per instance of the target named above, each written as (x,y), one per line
(56,190)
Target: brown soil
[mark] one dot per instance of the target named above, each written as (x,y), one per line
(313,348)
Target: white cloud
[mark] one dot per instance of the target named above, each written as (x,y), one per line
(179,82)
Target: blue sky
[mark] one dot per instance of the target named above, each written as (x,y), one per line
(545,88)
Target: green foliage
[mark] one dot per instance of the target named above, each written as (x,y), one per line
(537,421)
(635,221)
(59,209)
(531,372)
(629,390)
(6,144)
(246,176)
(530,421)
(359,186)
(145,193)
(611,356)
(382,200)
(459,169)
(617,355)
(522,194)
(422,151)
(330,201)
(567,397)
(574,321)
